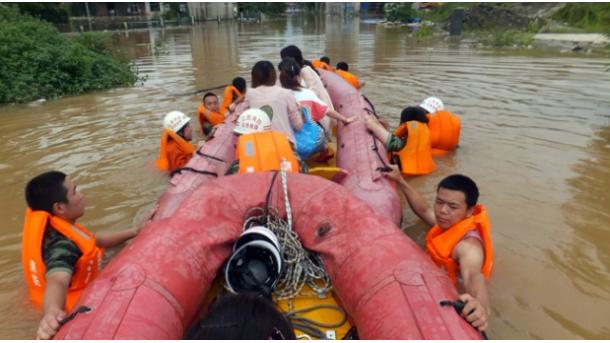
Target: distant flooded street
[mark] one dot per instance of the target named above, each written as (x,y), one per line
(535,137)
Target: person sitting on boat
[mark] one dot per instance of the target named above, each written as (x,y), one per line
(322,63)
(310,80)
(209,113)
(314,108)
(444,126)
(459,240)
(264,92)
(259,147)
(60,257)
(234,93)
(343,71)
(410,141)
(175,151)
(242,316)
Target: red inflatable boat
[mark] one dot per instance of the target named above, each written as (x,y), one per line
(210,161)
(154,288)
(359,152)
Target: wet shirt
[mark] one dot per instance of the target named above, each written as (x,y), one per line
(58,252)
(395,143)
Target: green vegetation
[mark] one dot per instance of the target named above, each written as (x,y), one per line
(97,41)
(48,11)
(443,13)
(268,8)
(592,17)
(505,24)
(399,11)
(424,32)
(505,38)
(403,11)
(37,61)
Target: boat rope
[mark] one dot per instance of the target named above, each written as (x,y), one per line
(385,167)
(209,156)
(180,170)
(374,112)
(72,315)
(312,327)
(285,188)
(458,305)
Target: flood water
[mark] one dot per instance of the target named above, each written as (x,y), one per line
(535,137)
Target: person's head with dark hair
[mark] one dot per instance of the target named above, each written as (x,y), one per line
(242,316)
(240,84)
(325,59)
(289,74)
(343,66)
(210,102)
(263,74)
(55,193)
(294,52)
(413,113)
(456,197)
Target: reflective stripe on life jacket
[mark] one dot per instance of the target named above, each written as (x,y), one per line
(444,131)
(440,243)
(86,267)
(349,77)
(416,156)
(164,161)
(264,151)
(321,65)
(230,94)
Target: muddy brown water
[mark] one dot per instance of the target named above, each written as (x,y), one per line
(535,137)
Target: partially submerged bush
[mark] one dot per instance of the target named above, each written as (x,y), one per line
(36,61)
(401,12)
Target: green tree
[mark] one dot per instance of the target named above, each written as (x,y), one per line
(49,11)
(268,8)
(399,11)
(37,61)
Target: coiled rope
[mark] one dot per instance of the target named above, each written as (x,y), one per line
(301,267)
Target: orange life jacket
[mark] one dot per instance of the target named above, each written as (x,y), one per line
(263,151)
(349,77)
(416,156)
(86,267)
(214,118)
(321,65)
(440,243)
(163,163)
(444,131)
(231,94)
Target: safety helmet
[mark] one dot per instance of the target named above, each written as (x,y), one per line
(175,121)
(256,262)
(252,120)
(432,104)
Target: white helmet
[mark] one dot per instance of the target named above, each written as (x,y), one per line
(252,120)
(256,262)
(432,104)
(175,121)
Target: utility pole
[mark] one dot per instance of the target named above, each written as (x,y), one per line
(88,15)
